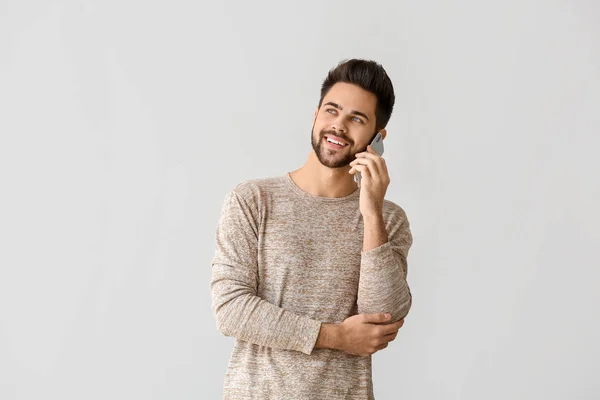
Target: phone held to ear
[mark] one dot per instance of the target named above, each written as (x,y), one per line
(377,145)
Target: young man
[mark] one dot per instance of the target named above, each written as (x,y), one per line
(308,264)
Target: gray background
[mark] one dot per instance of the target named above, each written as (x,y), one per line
(124,124)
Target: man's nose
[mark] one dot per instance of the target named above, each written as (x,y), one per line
(339,125)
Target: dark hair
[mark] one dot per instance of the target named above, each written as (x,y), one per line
(370,76)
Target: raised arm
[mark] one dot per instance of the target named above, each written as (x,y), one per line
(382,285)
(239,312)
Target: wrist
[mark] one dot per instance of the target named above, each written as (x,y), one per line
(375,232)
(330,337)
(373,218)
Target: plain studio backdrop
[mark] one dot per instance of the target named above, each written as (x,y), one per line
(125,123)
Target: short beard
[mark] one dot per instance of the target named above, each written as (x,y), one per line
(322,152)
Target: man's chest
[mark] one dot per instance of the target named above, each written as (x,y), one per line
(310,259)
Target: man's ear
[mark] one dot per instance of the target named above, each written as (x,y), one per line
(383,133)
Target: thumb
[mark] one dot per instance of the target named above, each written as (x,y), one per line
(375,318)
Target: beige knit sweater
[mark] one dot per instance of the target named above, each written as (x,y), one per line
(287,261)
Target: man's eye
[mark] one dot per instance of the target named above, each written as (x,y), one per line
(357,119)
(331,111)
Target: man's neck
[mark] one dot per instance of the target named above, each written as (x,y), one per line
(319,180)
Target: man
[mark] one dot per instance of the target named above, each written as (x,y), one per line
(308,264)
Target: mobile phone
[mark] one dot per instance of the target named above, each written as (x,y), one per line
(377,145)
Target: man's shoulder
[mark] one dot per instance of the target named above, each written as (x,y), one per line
(254,189)
(393,210)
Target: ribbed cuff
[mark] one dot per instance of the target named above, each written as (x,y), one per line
(309,335)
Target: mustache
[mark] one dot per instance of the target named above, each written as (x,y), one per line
(343,137)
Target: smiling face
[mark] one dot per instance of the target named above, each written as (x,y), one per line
(344,124)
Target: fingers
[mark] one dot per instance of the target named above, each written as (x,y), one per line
(367,164)
(392,328)
(390,337)
(376,318)
(376,165)
(381,346)
(377,336)
(372,155)
(386,339)
(363,169)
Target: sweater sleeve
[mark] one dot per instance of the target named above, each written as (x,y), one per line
(239,312)
(382,285)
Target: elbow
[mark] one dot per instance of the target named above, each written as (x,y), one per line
(227,299)
(230,311)
(398,308)
(223,328)
(222,312)
(223,322)
(403,308)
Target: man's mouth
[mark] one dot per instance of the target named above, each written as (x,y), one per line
(335,141)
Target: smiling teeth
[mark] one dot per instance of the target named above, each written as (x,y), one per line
(335,141)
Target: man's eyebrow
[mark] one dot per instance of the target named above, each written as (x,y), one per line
(331,103)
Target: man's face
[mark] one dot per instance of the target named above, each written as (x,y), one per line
(346,116)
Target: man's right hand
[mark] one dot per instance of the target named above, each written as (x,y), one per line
(359,335)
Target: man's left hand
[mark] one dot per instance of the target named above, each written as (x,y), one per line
(374,182)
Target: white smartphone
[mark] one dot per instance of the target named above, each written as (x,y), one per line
(377,145)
